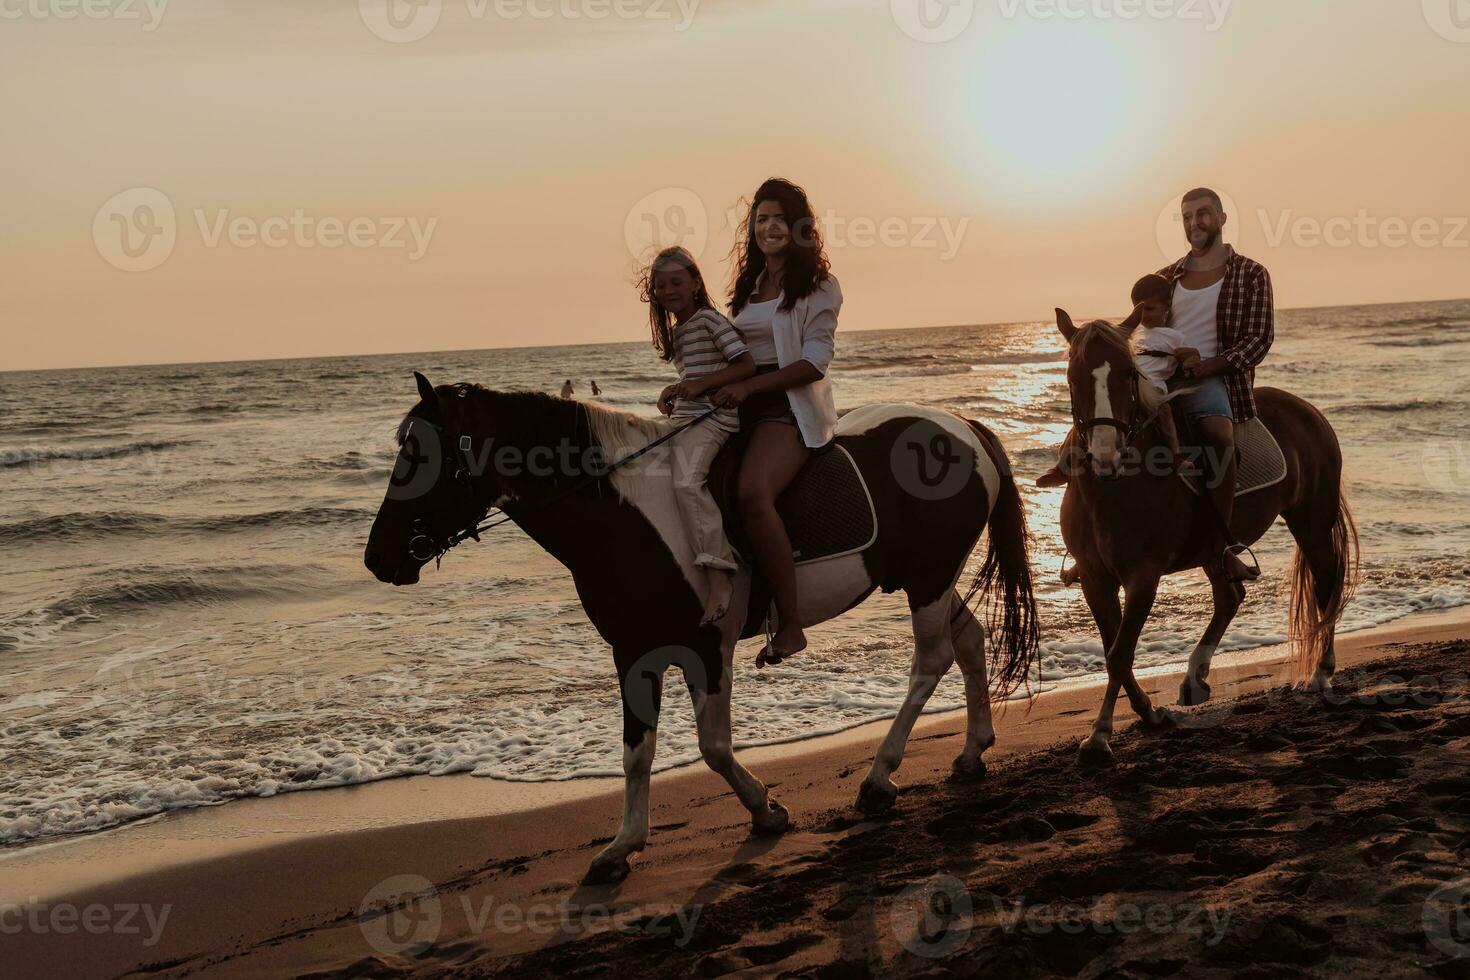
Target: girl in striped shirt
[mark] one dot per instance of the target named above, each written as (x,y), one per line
(709,354)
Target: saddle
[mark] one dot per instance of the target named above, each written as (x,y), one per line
(827,510)
(1261,463)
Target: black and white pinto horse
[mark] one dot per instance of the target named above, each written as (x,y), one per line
(466,450)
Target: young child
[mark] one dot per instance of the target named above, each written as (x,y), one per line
(709,354)
(1155,349)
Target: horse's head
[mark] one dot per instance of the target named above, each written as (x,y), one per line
(435,491)
(1104,386)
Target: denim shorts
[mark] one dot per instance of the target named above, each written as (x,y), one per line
(1211,397)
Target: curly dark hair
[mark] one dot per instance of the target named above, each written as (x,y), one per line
(661,320)
(806,260)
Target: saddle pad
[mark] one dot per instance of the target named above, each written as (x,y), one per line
(827,510)
(1262,463)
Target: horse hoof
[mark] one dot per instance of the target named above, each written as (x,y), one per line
(1161,722)
(968,770)
(607,871)
(1094,755)
(875,800)
(1318,685)
(1193,693)
(773,822)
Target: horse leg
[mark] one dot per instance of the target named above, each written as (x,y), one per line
(1101,593)
(1139,602)
(641,697)
(968,637)
(1227,595)
(933,654)
(712,716)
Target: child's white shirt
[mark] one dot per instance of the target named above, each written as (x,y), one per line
(1157,370)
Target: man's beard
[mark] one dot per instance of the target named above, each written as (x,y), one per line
(1210,239)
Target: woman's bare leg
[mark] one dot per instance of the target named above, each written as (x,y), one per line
(775,455)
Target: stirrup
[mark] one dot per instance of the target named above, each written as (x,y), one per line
(769,657)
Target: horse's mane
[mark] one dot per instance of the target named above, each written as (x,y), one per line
(1109,334)
(620,433)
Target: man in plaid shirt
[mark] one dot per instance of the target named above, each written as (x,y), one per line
(1223,305)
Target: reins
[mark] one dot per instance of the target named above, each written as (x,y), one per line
(492,516)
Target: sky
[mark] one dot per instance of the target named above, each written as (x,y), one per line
(197,180)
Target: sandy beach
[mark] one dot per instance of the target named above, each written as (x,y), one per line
(1288,835)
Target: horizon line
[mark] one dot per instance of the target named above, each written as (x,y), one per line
(607,343)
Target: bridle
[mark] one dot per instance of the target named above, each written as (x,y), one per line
(426,547)
(1135,426)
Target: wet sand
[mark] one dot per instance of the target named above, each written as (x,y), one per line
(1273,833)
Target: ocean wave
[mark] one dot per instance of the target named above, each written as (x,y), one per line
(1428,341)
(110,523)
(350,461)
(10,458)
(1390,407)
(159,586)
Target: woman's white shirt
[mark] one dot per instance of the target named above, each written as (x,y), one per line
(807,332)
(756,324)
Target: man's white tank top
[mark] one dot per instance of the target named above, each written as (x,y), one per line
(1195,317)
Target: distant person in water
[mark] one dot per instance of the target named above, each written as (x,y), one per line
(567,391)
(785,302)
(596,391)
(708,354)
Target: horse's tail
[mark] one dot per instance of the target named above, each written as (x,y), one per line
(1323,581)
(1004,579)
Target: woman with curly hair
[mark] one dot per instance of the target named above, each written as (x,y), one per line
(785,302)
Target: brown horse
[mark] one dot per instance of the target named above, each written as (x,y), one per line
(1129,520)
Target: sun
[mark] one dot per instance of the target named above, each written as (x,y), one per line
(1055,99)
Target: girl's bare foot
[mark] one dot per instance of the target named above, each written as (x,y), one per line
(1053,477)
(721,590)
(786,643)
(789,641)
(1237,570)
